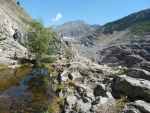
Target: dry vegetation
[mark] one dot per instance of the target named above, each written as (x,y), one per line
(113,107)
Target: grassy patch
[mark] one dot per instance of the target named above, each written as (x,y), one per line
(120,71)
(141,28)
(120,104)
(55,105)
(2,66)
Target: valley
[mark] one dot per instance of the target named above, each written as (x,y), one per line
(74,67)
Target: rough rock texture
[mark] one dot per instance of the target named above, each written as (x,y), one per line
(138,106)
(139,73)
(87,88)
(133,83)
(132,54)
(131,87)
(12,17)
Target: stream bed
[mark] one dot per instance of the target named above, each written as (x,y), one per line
(24,92)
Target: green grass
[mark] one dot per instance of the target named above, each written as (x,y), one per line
(141,28)
(120,104)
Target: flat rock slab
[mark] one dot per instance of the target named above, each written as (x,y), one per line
(132,87)
(139,73)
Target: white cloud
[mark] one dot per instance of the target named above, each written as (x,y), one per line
(57,17)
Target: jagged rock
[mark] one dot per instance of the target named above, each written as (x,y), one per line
(99,90)
(83,107)
(77,105)
(144,65)
(11,17)
(89,89)
(131,87)
(130,109)
(138,106)
(139,73)
(144,107)
(131,60)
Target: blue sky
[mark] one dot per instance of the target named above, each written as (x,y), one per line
(55,12)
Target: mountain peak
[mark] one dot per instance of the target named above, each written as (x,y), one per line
(128,21)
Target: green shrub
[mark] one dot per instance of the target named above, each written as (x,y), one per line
(141,28)
(55,105)
(48,59)
(40,40)
(120,71)
(120,104)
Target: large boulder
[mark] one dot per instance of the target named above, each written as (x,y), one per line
(138,106)
(99,90)
(144,107)
(130,109)
(131,87)
(139,73)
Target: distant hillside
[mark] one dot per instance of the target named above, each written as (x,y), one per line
(75,29)
(138,23)
(78,31)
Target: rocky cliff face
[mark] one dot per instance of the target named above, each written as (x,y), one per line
(12,17)
(122,50)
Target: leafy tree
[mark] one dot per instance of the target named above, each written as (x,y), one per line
(18,3)
(40,39)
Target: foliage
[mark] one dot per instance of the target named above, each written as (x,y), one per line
(60,87)
(120,104)
(55,105)
(127,22)
(48,59)
(40,39)
(2,66)
(141,28)
(120,71)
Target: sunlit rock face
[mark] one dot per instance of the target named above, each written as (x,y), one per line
(12,17)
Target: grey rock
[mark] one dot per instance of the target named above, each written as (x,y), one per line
(138,106)
(131,87)
(130,109)
(144,107)
(139,73)
(99,90)
(144,65)
(11,17)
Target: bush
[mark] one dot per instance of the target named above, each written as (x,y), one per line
(40,40)
(48,59)
(120,71)
(141,28)
(55,105)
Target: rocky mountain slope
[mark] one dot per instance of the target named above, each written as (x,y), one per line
(121,80)
(12,17)
(123,31)
(116,78)
(127,22)
(130,51)
(78,31)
